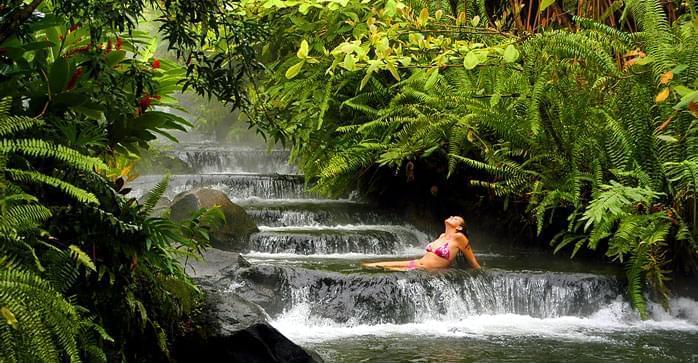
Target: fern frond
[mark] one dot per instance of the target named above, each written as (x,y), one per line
(42,149)
(46,323)
(76,193)
(350,160)
(155,195)
(634,274)
(21,218)
(13,124)
(573,46)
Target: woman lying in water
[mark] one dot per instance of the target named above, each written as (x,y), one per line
(439,253)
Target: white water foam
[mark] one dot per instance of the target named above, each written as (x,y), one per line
(407,252)
(254,201)
(397,229)
(302,327)
(342,227)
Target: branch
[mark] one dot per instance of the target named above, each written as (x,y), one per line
(10,27)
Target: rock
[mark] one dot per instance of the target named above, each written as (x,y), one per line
(226,313)
(234,234)
(257,343)
(232,329)
(260,284)
(162,206)
(242,262)
(213,262)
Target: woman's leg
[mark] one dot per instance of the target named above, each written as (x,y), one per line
(389,264)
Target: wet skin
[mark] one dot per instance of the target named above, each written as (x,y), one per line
(431,261)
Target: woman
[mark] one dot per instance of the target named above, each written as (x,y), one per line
(441,252)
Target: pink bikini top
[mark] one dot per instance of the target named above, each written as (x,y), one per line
(442,251)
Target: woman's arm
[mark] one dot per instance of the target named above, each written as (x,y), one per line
(468,253)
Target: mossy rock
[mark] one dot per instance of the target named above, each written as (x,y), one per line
(234,235)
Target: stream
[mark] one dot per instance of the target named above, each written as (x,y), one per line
(525,305)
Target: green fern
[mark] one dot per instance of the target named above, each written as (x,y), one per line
(634,269)
(44,324)
(41,149)
(155,195)
(78,194)
(14,124)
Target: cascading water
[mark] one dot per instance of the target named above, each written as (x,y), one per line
(212,160)
(523,306)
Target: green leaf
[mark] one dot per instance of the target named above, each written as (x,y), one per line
(511,54)
(644,60)
(685,100)
(682,90)
(494,100)
(294,70)
(667,138)
(365,80)
(679,68)
(544,5)
(114,57)
(471,60)
(59,75)
(390,7)
(89,112)
(432,79)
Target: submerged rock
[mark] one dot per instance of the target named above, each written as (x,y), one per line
(234,234)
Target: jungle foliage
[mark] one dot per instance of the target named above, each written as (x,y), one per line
(594,120)
(88,273)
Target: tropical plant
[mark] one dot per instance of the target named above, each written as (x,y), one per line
(78,258)
(575,124)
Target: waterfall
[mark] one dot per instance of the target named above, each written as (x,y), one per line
(306,273)
(236,186)
(211,160)
(400,298)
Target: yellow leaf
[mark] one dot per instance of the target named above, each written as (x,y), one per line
(439,13)
(349,62)
(662,96)
(666,77)
(303,50)
(294,70)
(461,18)
(423,16)
(475,20)
(9,316)
(393,70)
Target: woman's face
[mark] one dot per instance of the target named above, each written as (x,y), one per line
(454,221)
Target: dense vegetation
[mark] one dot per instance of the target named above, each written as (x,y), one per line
(87,273)
(588,121)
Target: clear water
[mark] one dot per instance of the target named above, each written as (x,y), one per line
(527,305)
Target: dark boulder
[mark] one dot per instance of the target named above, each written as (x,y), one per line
(234,234)
(257,343)
(228,328)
